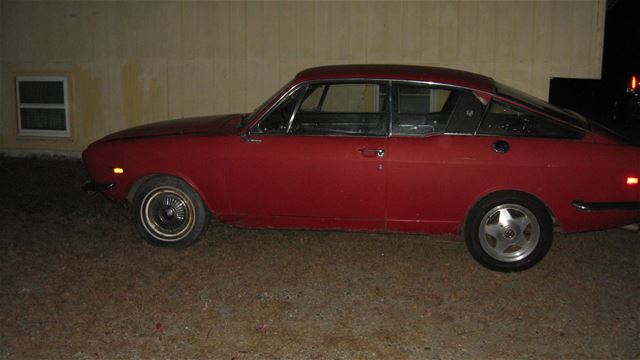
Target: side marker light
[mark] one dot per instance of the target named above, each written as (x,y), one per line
(118,170)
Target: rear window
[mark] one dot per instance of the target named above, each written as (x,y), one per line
(567,115)
(504,119)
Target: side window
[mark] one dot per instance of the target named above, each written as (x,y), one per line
(277,121)
(421,110)
(467,114)
(343,109)
(509,120)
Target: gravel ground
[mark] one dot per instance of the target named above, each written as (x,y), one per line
(76,282)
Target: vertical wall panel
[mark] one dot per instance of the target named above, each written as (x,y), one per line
(357,32)
(414,45)
(338,30)
(254,24)
(306,28)
(522,35)
(467,32)
(377,32)
(135,62)
(269,63)
(448,32)
(486,35)
(428,30)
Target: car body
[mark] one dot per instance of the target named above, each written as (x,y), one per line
(379,148)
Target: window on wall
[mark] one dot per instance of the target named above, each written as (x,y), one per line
(43,106)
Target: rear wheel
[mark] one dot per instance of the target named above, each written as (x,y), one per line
(508,232)
(168,212)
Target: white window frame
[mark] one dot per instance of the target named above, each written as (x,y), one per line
(46,133)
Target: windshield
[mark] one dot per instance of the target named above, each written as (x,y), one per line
(563,114)
(258,110)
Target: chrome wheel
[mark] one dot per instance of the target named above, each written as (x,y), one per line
(509,232)
(167,213)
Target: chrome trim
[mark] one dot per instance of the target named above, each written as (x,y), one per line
(390,107)
(270,109)
(246,137)
(606,206)
(525,107)
(378,152)
(296,108)
(92,188)
(389,82)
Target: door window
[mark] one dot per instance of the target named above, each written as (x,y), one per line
(422,110)
(358,109)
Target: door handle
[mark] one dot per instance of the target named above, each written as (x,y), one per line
(377,152)
(501,146)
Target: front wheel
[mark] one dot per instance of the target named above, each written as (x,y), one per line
(508,232)
(168,212)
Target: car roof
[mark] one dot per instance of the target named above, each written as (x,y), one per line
(399,72)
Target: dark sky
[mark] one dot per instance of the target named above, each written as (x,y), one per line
(621,57)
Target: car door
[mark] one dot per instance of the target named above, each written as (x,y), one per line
(315,160)
(424,172)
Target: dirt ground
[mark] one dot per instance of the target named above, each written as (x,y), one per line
(76,282)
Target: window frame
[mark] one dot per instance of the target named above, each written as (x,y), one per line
(65,106)
(252,129)
(394,104)
(275,101)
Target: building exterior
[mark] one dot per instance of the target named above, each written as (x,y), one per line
(72,72)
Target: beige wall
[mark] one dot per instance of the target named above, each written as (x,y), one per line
(136,62)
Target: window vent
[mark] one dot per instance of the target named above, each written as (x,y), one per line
(43,106)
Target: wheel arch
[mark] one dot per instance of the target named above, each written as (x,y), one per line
(143,179)
(502,193)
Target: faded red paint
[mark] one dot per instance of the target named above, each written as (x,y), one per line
(422,184)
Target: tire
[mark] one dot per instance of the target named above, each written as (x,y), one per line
(169,213)
(508,231)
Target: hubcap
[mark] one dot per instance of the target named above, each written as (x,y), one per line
(167,214)
(509,232)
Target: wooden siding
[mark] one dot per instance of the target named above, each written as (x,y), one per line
(136,62)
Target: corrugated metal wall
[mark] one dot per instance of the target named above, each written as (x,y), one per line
(137,62)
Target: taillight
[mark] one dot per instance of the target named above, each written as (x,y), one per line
(632,180)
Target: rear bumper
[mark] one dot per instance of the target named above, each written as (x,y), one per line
(92,188)
(606,206)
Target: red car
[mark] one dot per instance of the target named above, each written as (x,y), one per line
(379,148)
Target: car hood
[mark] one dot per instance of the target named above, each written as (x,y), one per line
(205,125)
